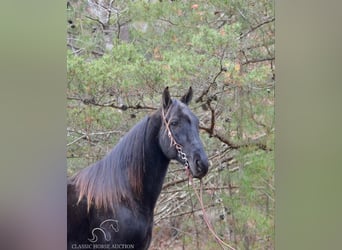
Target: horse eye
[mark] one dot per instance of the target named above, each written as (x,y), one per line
(174,123)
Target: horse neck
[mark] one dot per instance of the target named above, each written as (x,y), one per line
(155,164)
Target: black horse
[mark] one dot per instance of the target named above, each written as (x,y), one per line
(111,203)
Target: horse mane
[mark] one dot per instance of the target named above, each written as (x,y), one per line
(118,176)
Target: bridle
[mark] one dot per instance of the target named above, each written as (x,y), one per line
(180,153)
(183,156)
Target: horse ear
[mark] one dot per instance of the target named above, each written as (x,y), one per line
(166,98)
(187,97)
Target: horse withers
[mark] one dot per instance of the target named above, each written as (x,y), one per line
(111,203)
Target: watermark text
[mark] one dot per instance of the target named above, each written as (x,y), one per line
(102,246)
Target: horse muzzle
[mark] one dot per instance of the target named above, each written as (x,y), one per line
(199,166)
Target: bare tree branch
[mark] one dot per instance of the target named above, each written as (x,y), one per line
(213,82)
(232,145)
(91,101)
(269,20)
(85,135)
(258,60)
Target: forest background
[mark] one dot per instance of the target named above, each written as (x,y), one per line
(121,55)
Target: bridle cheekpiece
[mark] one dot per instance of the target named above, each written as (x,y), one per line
(173,142)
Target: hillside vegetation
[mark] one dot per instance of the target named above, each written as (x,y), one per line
(122,54)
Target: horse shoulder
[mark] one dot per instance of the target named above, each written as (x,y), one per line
(124,227)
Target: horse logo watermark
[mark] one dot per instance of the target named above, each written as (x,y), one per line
(104,229)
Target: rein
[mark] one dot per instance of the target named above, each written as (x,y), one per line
(199,196)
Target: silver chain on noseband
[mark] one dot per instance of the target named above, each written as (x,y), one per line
(180,152)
